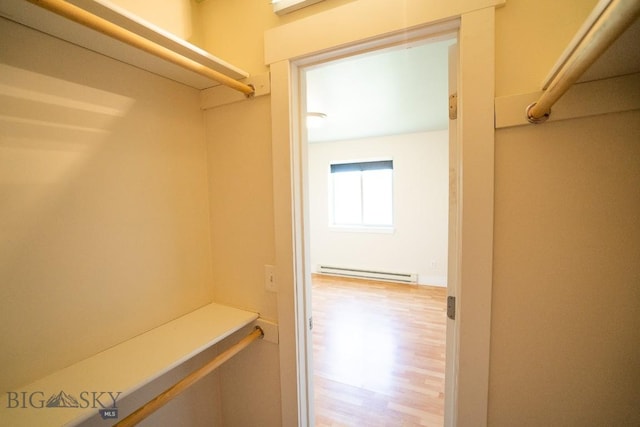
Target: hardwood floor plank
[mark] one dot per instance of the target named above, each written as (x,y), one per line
(379,353)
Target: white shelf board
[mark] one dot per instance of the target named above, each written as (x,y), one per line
(125,367)
(48,22)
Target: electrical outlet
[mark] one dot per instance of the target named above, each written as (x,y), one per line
(270,278)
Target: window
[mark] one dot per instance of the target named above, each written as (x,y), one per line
(362,194)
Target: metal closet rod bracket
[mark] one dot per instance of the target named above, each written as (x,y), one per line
(536,120)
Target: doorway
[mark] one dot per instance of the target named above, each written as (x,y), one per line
(286,50)
(376,146)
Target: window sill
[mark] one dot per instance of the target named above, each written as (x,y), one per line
(362,229)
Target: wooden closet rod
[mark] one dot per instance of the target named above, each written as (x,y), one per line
(611,23)
(172,392)
(110,29)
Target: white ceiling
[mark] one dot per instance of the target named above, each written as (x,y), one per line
(394,91)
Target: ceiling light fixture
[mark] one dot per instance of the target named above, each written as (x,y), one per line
(282,7)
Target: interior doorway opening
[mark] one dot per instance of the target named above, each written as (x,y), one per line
(384,107)
(471,211)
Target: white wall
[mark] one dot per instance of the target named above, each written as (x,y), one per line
(565,310)
(104,211)
(565,315)
(418,243)
(241,194)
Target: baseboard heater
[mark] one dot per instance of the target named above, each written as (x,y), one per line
(369,274)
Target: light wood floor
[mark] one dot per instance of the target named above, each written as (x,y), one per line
(379,353)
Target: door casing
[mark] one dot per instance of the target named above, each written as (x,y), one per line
(468,386)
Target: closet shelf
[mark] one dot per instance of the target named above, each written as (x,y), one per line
(35,17)
(125,367)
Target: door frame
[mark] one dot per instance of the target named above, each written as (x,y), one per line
(285,48)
